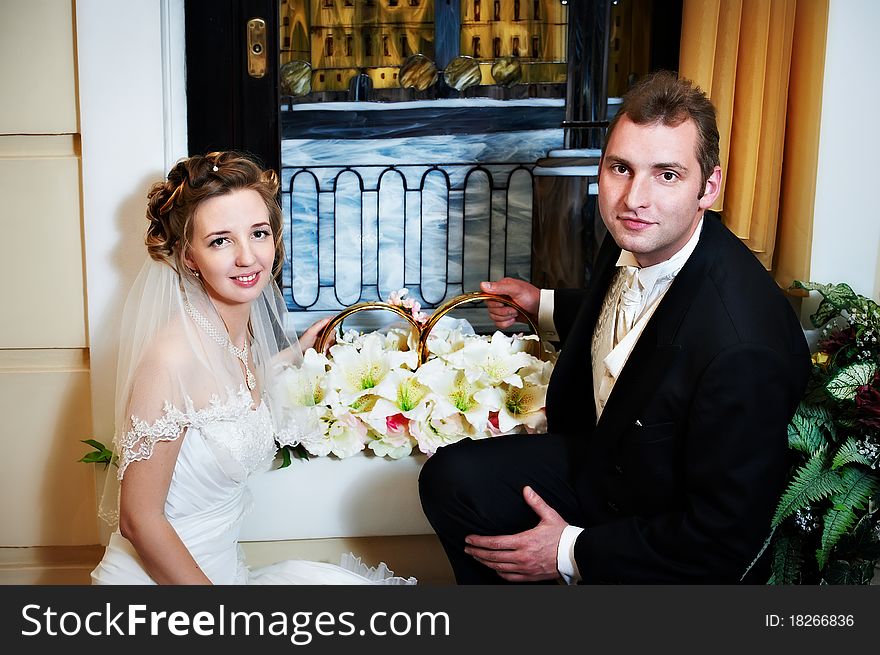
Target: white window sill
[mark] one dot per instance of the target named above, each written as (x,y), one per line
(359,496)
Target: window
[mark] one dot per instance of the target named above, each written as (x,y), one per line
(537,9)
(287,42)
(515,49)
(328,3)
(536,47)
(515,9)
(365,30)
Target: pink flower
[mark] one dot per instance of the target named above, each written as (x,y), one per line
(396,297)
(397,423)
(494,429)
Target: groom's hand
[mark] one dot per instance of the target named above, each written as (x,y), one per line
(529,556)
(524,294)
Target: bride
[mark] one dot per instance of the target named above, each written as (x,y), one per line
(202,338)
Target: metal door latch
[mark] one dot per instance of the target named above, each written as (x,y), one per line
(256,45)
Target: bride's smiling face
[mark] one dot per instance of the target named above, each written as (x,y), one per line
(232,246)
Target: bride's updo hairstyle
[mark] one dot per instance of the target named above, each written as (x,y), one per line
(172,204)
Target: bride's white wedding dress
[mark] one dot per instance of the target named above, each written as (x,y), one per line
(224,444)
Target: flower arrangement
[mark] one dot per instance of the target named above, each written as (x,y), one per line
(826,528)
(383,392)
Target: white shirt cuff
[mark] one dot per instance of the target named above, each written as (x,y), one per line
(545,316)
(565,562)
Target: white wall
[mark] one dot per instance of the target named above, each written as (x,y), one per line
(130,58)
(846,227)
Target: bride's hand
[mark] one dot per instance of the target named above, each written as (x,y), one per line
(308,338)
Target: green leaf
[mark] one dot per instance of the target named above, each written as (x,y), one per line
(858,485)
(842,572)
(848,453)
(767,542)
(846,383)
(835,299)
(812,482)
(787,561)
(97,445)
(100,455)
(93,457)
(288,452)
(805,432)
(860,543)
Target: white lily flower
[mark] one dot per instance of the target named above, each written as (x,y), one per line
(356,371)
(491,362)
(442,342)
(537,372)
(400,392)
(436,432)
(522,406)
(345,436)
(453,393)
(399,339)
(303,384)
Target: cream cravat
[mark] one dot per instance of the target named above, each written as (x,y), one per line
(629,303)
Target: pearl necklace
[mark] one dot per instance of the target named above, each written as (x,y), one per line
(223,340)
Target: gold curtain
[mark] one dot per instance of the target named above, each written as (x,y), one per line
(760,61)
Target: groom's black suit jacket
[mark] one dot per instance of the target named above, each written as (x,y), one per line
(680,477)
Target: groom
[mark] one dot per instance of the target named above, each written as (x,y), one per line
(680,368)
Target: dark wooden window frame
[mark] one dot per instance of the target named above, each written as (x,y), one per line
(227,109)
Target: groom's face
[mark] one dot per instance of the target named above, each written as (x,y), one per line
(651,192)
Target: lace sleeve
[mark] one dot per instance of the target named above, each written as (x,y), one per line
(137,444)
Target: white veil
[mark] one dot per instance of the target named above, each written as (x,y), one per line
(175,368)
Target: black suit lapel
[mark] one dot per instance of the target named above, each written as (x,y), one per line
(654,352)
(570,393)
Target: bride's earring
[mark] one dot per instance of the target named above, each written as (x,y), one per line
(193,272)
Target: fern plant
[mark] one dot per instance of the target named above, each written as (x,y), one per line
(826,529)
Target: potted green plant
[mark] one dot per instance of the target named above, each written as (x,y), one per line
(825,529)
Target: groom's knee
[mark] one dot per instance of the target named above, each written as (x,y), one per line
(450,474)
